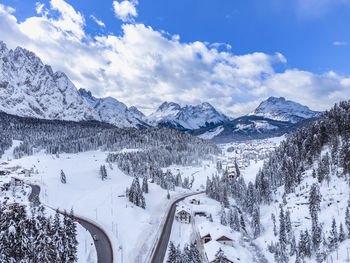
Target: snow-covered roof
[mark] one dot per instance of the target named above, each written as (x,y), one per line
(224,238)
(212,247)
(215,230)
(182,207)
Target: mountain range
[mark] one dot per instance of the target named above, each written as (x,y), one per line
(29,88)
(112,111)
(190,117)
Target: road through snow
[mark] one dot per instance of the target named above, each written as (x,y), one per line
(103,244)
(162,245)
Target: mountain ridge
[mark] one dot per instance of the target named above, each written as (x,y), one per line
(29,88)
(283,110)
(189,117)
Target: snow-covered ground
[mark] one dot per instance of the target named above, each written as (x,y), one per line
(211,133)
(132,229)
(20,194)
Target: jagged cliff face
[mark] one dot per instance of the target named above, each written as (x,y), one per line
(31,89)
(112,111)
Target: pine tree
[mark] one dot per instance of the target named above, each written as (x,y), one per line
(301,246)
(347,219)
(341,233)
(236,221)
(135,194)
(314,201)
(195,256)
(172,255)
(298,258)
(288,225)
(72,242)
(333,236)
(145,185)
(57,237)
(316,237)
(43,244)
(103,172)
(293,246)
(220,257)
(282,232)
(242,225)
(223,217)
(256,221)
(307,242)
(63,177)
(250,198)
(273,217)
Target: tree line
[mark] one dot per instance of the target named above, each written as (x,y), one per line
(34,238)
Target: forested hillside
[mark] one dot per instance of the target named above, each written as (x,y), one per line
(298,203)
(73,137)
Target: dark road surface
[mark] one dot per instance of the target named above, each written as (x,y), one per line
(162,245)
(103,244)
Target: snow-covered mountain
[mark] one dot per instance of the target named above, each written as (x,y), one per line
(284,110)
(273,117)
(186,118)
(31,89)
(112,111)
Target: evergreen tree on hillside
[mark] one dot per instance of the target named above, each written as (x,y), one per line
(135,194)
(145,185)
(314,209)
(103,172)
(256,226)
(333,236)
(58,237)
(347,219)
(282,230)
(63,177)
(293,246)
(288,225)
(250,203)
(242,225)
(341,233)
(273,218)
(172,254)
(195,256)
(223,217)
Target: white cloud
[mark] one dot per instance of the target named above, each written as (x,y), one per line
(340,43)
(144,67)
(39,7)
(125,10)
(97,21)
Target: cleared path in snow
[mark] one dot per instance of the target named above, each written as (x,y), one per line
(103,244)
(162,245)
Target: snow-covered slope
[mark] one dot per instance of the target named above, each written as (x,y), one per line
(30,88)
(112,111)
(187,118)
(284,110)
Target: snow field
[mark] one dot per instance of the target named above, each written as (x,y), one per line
(131,229)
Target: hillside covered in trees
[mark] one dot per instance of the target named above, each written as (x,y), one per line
(299,203)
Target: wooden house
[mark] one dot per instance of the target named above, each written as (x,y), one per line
(225,241)
(183,214)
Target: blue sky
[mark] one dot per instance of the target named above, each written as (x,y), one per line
(244,50)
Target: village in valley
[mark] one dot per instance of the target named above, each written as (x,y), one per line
(198,218)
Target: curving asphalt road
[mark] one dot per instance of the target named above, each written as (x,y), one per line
(103,244)
(162,245)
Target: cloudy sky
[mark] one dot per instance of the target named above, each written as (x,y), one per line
(232,54)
